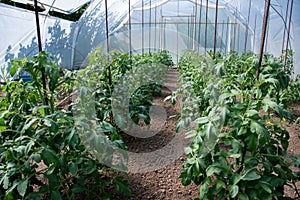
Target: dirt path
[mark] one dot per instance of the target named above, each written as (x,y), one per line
(157,176)
(155,163)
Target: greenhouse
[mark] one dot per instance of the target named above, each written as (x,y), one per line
(150,99)
(150,26)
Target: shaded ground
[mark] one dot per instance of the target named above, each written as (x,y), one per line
(162,183)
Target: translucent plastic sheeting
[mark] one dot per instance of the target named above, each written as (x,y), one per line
(167,24)
(234,31)
(178,25)
(67,6)
(19,36)
(91,27)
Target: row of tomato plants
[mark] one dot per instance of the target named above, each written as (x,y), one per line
(41,153)
(238,150)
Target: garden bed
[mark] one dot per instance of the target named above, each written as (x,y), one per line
(165,183)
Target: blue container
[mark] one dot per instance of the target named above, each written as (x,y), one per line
(26,78)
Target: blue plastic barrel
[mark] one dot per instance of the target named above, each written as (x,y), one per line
(26,78)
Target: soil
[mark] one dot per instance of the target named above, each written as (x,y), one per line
(294,143)
(164,182)
(156,176)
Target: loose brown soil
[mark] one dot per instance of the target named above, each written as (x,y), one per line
(165,183)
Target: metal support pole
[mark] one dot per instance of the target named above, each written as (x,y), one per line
(195,30)
(150,28)
(254,33)
(129,32)
(288,35)
(165,37)
(234,32)
(216,22)
(234,37)
(206,20)
(177,46)
(238,38)
(285,21)
(38,29)
(228,30)
(212,23)
(263,36)
(160,30)
(189,37)
(247,29)
(124,38)
(143,27)
(199,31)
(221,45)
(107,44)
(155,29)
(193,17)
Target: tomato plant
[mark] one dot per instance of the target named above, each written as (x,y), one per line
(41,153)
(238,151)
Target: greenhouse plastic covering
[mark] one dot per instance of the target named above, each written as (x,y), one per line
(174,25)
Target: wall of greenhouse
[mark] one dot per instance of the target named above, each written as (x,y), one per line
(152,25)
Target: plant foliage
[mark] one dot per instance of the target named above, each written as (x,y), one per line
(238,151)
(42,154)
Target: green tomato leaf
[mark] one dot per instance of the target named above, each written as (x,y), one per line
(203,189)
(191,134)
(49,156)
(243,196)
(36,157)
(73,167)
(251,141)
(213,170)
(251,113)
(202,120)
(22,187)
(256,127)
(122,186)
(14,68)
(55,195)
(78,188)
(28,125)
(233,189)
(251,175)
(5,180)
(179,125)
(266,186)
(28,147)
